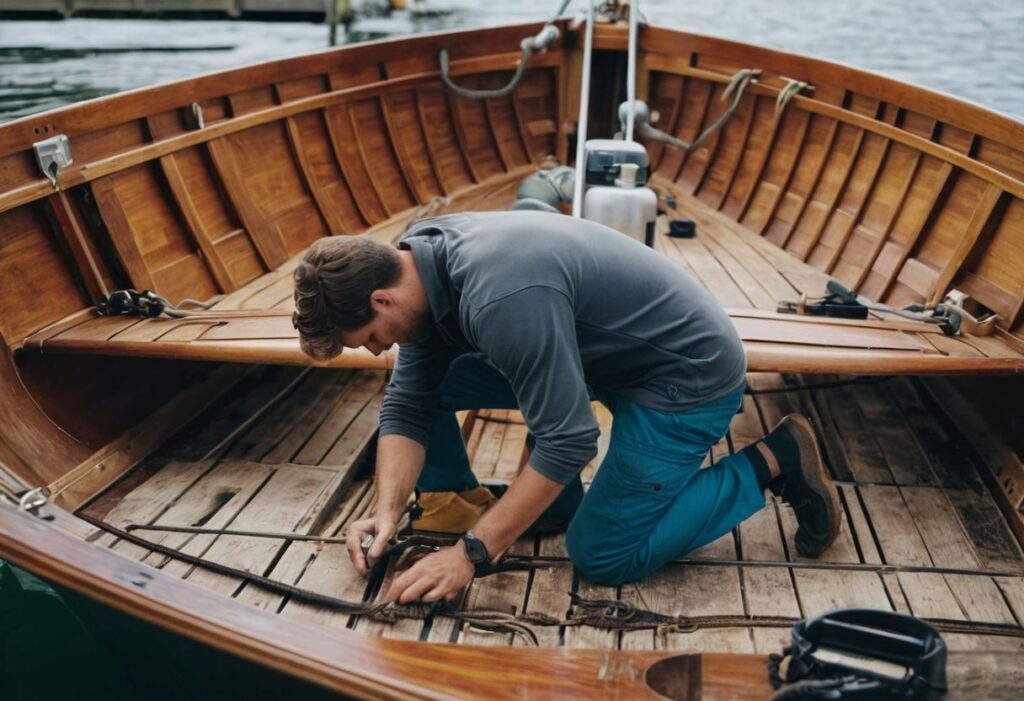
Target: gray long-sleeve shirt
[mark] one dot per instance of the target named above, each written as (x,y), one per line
(557,303)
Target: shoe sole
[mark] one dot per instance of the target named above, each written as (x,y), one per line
(818,479)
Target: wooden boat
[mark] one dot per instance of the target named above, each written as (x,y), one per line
(209,188)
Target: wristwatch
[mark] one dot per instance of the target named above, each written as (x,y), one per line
(476,551)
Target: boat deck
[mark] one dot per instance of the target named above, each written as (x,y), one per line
(286,452)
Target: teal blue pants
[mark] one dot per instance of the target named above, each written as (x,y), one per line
(649,502)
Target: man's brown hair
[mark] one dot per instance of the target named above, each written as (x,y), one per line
(333,284)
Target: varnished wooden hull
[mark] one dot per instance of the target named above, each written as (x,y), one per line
(894,190)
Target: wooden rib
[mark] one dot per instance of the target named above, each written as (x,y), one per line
(855,216)
(415,185)
(265,236)
(709,147)
(975,226)
(67,225)
(748,123)
(506,159)
(773,208)
(945,170)
(321,199)
(826,154)
(769,148)
(431,155)
(386,202)
(831,203)
(521,129)
(460,135)
(93,170)
(299,154)
(883,236)
(372,214)
(121,232)
(961,160)
(657,148)
(195,225)
(698,128)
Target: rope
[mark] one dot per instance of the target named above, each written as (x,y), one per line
(613,614)
(544,38)
(739,82)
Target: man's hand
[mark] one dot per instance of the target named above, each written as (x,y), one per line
(382,528)
(440,575)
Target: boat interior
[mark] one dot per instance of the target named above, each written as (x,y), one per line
(210,189)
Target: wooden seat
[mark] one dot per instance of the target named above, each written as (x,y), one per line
(774,343)
(748,275)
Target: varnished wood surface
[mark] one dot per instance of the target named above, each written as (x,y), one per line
(344,661)
(774,343)
(912,495)
(890,188)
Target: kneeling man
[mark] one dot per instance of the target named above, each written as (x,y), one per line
(543,313)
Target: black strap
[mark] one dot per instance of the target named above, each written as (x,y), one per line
(832,656)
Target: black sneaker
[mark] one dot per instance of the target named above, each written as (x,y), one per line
(804,483)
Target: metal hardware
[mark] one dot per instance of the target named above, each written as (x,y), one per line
(53,155)
(33,500)
(957,302)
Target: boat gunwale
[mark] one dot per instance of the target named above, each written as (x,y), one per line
(340,660)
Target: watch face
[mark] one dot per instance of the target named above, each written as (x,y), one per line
(476,551)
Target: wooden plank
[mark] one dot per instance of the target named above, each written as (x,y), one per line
(818,169)
(364,388)
(212,502)
(854,215)
(711,273)
(120,230)
(980,598)
(504,591)
(979,218)
(265,236)
(859,526)
(751,286)
(148,501)
(838,409)
(300,412)
(821,591)
(987,530)
(891,433)
(689,590)
(898,536)
(549,591)
(324,203)
(936,521)
(929,596)
(884,234)
(944,451)
(937,187)
(280,506)
(211,256)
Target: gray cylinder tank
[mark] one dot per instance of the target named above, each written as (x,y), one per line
(625,206)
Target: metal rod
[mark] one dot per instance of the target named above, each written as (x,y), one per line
(634,20)
(581,132)
(228,531)
(554,560)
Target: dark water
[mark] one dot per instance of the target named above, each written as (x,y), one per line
(969,49)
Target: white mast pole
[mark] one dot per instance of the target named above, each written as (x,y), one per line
(581,132)
(634,20)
